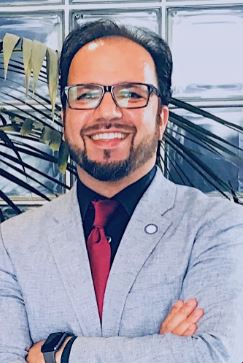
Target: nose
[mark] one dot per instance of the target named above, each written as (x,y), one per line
(107,109)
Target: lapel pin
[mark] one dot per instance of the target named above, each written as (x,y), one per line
(151,228)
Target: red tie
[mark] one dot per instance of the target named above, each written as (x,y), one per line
(99,249)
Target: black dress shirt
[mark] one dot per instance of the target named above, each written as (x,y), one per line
(127,199)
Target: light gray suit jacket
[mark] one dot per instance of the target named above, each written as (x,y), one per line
(178,244)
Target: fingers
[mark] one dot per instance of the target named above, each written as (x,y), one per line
(178,314)
(191,320)
(182,318)
(175,308)
(190,331)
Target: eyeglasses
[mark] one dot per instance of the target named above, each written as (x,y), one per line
(125,95)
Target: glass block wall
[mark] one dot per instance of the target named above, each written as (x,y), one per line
(206,41)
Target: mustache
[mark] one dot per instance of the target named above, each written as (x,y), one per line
(106,126)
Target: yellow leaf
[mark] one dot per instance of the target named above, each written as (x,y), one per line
(37,57)
(9,43)
(9,128)
(63,157)
(27,51)
(52,75)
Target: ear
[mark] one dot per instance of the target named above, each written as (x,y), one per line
(163,120)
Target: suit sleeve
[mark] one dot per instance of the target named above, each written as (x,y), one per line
(14,331)
(215,277)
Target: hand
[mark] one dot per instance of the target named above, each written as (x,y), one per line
(35,355)
(182,318)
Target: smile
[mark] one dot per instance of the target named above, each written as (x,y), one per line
(108,136)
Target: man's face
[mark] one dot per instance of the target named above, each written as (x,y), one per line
(109,142)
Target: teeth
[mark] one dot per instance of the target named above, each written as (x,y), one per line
(108,136)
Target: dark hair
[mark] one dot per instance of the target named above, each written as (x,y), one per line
(157,47)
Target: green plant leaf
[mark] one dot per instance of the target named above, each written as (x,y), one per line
(56,140)
(46,135)
(9,43)
(51,137)
(52,76)
(27,52)
(27,127)
(37,57)
(63,157)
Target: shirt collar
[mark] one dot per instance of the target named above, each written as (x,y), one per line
(127,197)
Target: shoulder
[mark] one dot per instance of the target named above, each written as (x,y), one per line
(207,206)
(191,205)
(216,222)
(37,221)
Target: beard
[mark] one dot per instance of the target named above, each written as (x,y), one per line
(116,170)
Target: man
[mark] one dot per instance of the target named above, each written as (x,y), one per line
(105,290)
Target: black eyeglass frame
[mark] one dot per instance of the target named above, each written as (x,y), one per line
(109,88)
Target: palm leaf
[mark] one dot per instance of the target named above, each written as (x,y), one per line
(9,202)
(206,172)
(203,113)
(23,184)
(205,139)
(27,53)
(8,142)
(35,170)
(9,43)
(52,76)
(27,176)
(37,58)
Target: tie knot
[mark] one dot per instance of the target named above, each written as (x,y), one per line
(103,210)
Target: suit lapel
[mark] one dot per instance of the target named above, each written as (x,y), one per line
(146,228)
(69,250)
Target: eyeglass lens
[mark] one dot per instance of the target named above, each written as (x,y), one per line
(125,95)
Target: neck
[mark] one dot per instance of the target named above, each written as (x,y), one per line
(111,188)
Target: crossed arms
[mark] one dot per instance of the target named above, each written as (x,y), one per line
(180,321)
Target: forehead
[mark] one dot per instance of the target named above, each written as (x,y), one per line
(112,60)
